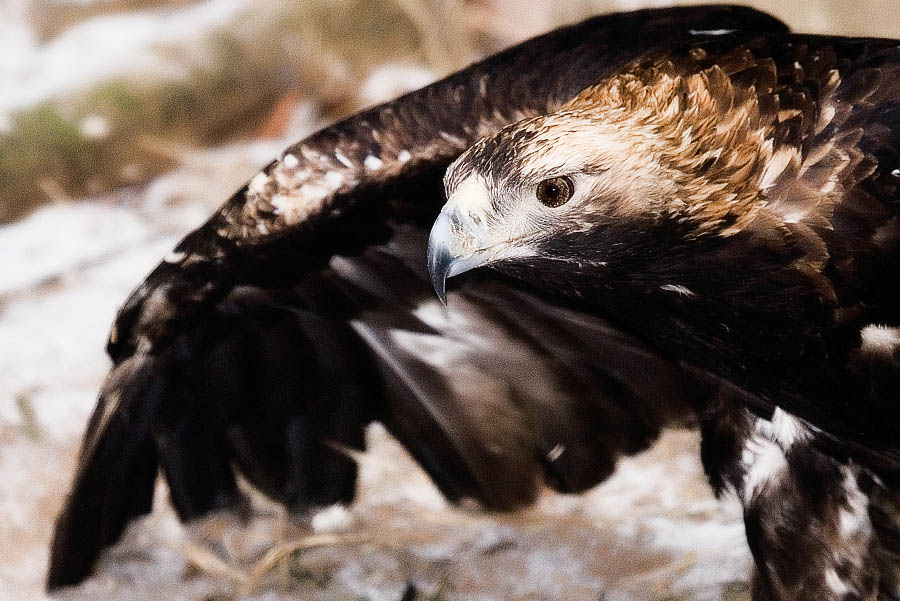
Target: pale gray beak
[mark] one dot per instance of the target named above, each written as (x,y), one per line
(453,248)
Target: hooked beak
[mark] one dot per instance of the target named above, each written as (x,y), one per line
(454,247)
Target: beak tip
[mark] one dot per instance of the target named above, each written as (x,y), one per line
(438,267)
(439,257)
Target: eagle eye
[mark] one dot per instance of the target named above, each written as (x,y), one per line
(555,192)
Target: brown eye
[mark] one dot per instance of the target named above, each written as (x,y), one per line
(555,191)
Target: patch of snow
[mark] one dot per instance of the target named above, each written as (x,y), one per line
(97,49)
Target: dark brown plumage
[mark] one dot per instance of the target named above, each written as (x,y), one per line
(730,236)
(734,204)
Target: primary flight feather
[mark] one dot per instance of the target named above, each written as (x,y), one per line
(686,211)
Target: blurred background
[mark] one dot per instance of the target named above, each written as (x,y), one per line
(123,124)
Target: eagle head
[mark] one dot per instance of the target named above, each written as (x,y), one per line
(625,171)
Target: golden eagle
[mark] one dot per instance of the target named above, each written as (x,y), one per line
(686,211)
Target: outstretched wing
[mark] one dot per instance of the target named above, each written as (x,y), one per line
(299,312)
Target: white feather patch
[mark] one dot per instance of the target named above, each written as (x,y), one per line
(880,339)
(342,158)
(290,161)
(373,163)
(764,461)
(258,183)
(834,582)
(711,31)
(455,140)
(174,256)
(678,289)
(334,179)
(765,453)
